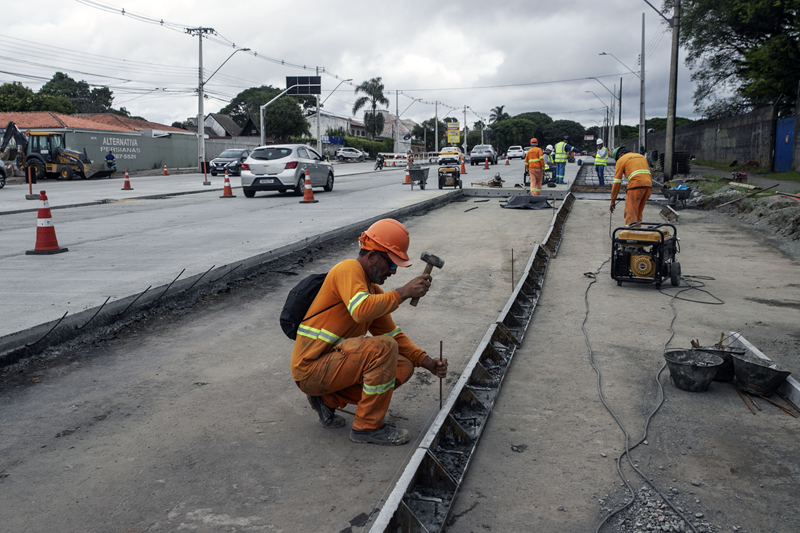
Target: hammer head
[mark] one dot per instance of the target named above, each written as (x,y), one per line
(432,260)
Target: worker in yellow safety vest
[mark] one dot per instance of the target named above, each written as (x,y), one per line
(562,149)
(600,161)
(636,168)
(534,160)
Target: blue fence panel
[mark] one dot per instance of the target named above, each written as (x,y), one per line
(784,144)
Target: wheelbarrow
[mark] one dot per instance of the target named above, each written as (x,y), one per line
(674,196)
(418,175)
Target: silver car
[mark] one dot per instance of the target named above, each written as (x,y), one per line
(282,167)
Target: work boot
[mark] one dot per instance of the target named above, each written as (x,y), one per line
(386,436)
(327,415)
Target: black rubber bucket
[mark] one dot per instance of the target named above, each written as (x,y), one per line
(692,370)
(726,372)
(758,376)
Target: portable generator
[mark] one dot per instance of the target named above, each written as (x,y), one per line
(645,253)
(449,176)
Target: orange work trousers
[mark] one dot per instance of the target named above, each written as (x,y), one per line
(536,181)
(635,199)
(363,371)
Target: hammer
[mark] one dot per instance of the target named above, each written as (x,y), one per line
(432,261)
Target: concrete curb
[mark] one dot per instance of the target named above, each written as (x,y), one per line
(31,341)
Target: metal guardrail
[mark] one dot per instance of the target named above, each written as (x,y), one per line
(422,499)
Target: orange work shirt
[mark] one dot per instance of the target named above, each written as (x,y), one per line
(534,158)
(359,307)
(635,167)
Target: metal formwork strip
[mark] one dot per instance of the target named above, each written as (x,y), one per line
(422,498)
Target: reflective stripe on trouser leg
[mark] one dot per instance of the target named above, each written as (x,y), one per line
(536,181)
(560,171)
(635,200)
(360,371)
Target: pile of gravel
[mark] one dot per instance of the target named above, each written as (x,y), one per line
(650,513)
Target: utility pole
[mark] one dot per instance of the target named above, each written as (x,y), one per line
(613,114)
(619,126)
(319,116)
(642,118)
(669,145)
(201,144)
(396,121)
(465,131)
(436,124)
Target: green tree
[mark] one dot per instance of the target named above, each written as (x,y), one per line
(511,132)
(555,131)
(283,118)
(336,132)
(660,124)
(85,100)
(373,96)
(498,115)
(419,134)
(17,97)
(750,47)
(536,116)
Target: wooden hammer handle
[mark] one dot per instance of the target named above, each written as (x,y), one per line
(428,270)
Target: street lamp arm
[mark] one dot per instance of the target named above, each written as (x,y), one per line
(223,63)
(415,100)
(601,100)
(620,62)
(660,14)
(334,90)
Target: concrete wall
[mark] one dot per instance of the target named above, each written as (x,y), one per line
(796,151)
(749,137)
(137,151)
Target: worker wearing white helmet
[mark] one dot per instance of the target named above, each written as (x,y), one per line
(549,164)
(600,160)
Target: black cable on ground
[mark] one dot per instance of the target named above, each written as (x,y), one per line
(628,447)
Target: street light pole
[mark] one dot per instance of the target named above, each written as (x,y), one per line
(319,115)
(669,145)
(436,125)
(642,118)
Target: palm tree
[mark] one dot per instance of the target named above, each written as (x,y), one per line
(497,115)
(373,89)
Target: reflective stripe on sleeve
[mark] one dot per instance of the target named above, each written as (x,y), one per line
(617,181)
(356,301)
(319,334)
(378,389)
(395,332)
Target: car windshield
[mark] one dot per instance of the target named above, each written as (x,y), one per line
(449,151)
(482,147)
(230,153)
(271,153)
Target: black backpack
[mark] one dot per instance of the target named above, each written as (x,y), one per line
(298,301)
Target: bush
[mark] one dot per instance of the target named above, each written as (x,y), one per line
(371,147)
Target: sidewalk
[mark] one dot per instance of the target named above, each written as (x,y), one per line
(761,180)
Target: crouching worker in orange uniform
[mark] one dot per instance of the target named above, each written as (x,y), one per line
(333,360)
(636,168)
(534,160)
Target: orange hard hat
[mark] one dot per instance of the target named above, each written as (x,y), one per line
(390,236)
(534,141)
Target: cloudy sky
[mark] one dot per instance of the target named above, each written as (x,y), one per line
(531,55)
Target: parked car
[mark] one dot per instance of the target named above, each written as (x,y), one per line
(230,160)
(349,154)
(282,167)
(3,173)
(515,151)
(481,152)
(451,155)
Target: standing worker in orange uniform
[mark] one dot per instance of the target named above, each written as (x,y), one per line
(534,160)
(333,360)
(636,168)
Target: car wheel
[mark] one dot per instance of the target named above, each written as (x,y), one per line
(281,191)
(340,158)
(298,189)
(248,193)
(2,181)
(328,184)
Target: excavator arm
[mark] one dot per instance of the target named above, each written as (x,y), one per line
(13,132)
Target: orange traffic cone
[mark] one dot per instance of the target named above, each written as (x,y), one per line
(507,159)
(486,164)
(408,177)
(127,185)
(227,192)
(165,170)
(308,193)
(46,242)
(463,168)
(393,161)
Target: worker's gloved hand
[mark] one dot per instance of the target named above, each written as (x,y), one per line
(613,205)
(416,288)
(437,367)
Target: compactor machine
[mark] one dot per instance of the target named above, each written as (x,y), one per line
(645,253)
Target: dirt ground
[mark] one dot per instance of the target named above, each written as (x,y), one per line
(722,467)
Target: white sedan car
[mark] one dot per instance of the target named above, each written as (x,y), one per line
(283,167)
(515,151)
